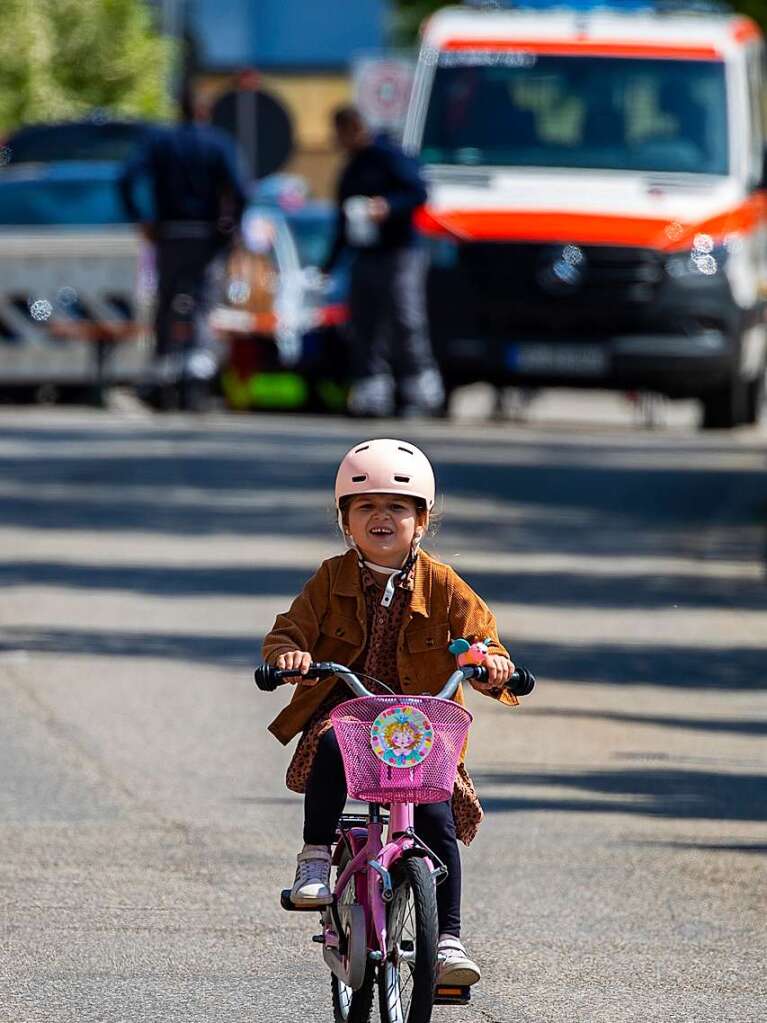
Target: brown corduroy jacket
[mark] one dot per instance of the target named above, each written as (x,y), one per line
(329,619)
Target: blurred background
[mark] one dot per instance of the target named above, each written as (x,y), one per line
(595,227)
(83,85)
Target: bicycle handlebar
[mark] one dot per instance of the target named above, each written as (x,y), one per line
(268,678)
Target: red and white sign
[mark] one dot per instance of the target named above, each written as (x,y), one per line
(382,88)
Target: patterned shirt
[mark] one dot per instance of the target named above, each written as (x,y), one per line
(379,659)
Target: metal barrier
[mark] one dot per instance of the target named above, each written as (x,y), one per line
(74,307)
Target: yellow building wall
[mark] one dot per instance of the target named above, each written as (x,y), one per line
(310,99)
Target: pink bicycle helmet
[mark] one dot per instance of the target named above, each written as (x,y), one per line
(386,467)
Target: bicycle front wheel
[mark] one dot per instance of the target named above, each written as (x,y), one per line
(407,977)
(351,1006)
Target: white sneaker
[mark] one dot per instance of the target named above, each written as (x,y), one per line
(454,965)
(423,392)
(312,884)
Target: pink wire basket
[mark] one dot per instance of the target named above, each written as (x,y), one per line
(400,749)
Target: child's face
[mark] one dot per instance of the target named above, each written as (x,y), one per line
(383,527)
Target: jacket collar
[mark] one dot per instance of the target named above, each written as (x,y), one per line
(347,582)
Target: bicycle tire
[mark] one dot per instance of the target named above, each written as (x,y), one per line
(352,1006)
(411,1002)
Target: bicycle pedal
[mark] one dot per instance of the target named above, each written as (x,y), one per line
(451,994)
(286,903)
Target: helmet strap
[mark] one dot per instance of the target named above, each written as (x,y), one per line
(396,574)
(391,582)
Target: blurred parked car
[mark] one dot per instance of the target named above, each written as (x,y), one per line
(73,194)
(74,281)
(66,174)
(95,139)
(596,212)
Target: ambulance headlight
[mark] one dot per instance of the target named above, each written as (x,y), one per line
(705,259)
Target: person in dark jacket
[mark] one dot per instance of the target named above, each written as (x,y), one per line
(198,199)
(379,190)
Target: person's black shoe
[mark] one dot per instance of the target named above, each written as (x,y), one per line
(159,397)
(195,396)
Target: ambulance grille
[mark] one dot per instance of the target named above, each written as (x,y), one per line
(523,269)
(517,286)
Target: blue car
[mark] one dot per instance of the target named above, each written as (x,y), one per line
(69,304)
(65,175)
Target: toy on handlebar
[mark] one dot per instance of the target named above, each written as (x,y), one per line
(469,653)
(474,655)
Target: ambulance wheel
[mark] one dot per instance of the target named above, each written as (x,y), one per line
(755,391)
(727,406)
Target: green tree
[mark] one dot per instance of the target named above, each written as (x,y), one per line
(409,14)
(756,9)
(62,58)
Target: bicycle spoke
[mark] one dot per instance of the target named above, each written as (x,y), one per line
(411,916)
(392,996)
(405,1002)
(406,956)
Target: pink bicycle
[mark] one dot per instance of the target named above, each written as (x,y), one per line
(382,924)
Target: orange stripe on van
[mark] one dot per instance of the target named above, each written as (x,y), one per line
(588,47)
(587,228)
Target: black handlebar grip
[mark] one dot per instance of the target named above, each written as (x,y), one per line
(267,678)
(521,683)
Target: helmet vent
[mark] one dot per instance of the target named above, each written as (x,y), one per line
(359,479)
(408,451)
(363,448)
(401,479)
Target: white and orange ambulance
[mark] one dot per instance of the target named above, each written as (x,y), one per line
(597,214)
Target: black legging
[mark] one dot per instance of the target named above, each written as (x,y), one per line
(324,804)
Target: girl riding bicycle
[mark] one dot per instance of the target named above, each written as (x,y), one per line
(389,611)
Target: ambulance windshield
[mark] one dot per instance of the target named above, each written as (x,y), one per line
(611,113)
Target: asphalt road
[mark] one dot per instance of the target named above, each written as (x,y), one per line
(145,830)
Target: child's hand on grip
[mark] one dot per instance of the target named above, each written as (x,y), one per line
(499,671)
(297,660)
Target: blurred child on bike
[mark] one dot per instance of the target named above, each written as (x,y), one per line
(388,610)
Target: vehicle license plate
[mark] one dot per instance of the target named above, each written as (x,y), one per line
(583,360)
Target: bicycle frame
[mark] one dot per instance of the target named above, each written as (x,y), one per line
(355,931)
(372,858)
(371,864)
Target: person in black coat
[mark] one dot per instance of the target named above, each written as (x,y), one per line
(378,192)
(198,199)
